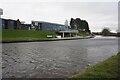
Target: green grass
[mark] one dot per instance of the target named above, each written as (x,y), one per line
(24,35)
(83,34)
(27,35)
(107,69)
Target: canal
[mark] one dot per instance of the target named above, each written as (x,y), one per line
(55,59)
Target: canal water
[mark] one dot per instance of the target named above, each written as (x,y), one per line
(55,59)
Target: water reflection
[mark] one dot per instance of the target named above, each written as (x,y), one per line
(105,37)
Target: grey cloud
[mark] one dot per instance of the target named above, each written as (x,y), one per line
(96,13)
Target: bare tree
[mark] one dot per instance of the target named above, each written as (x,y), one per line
(66,24)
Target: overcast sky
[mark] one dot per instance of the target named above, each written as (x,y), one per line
(97,14)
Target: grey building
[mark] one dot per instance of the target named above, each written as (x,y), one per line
(11,24)
(41,25)
(26,26)
(60,29)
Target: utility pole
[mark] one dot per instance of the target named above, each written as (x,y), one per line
(1,13)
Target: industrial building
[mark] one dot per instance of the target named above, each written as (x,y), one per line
(11,24)
(60,29)
(41,25)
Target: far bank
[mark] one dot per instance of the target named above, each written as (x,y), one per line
(31,36)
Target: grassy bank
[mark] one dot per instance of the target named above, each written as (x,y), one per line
(83,34)
(24,35)
(107,69)
(28,35)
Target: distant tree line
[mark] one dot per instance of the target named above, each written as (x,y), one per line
(80,25)
(106,32)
